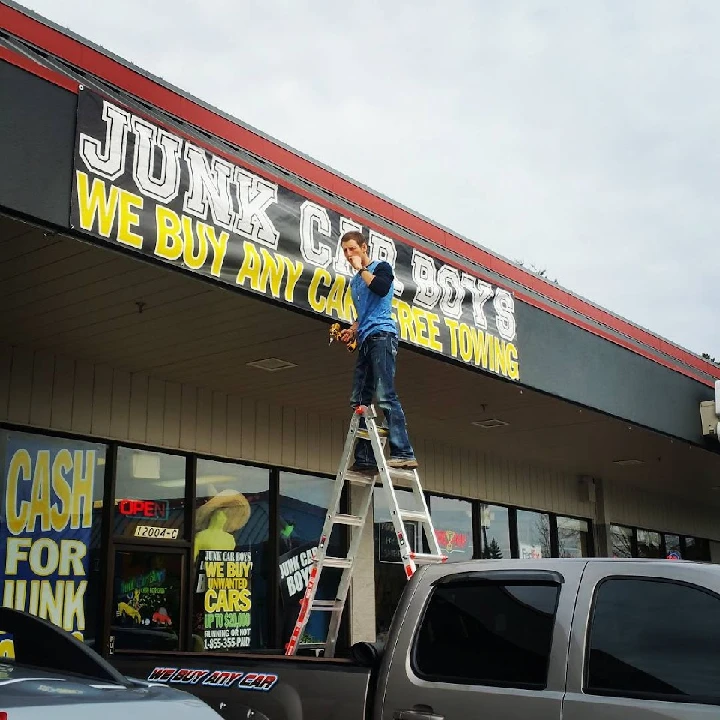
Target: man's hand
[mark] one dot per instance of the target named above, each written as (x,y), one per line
(356,262)
(349,333)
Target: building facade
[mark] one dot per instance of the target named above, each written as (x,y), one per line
(172,416)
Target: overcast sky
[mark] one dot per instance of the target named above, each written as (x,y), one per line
(576,137)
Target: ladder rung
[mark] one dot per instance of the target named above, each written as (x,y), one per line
(403,473)
(359,478)
(365,434)
(327,605)
(417,515)
(336,562)
(427,558)
(349,520)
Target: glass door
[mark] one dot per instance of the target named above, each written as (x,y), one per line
(147,610)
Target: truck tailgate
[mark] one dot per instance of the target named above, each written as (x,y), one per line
(259,687)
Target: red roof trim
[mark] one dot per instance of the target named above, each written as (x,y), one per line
(135,83)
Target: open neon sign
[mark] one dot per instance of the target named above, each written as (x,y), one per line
(159,509)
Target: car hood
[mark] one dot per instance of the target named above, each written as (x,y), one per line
(29,687)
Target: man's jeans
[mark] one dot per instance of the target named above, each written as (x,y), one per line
(375,376)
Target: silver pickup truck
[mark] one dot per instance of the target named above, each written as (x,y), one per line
(570,639)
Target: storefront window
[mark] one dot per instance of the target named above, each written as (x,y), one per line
(672,546)
(304,500)
(150,495)
(494,532)
(231,567)
(573,537)
(51,498)
(147,597)
(621,539)
(648,544)
(533,534)
(390,578)
(697,549)
(452,520)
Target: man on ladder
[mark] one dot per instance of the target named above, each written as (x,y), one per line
(372,291)
(375,330)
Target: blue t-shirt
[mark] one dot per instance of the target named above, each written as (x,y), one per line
(373,302)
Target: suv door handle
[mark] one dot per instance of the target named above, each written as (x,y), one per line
(419,712)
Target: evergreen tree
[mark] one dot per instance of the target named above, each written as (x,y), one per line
(492,551)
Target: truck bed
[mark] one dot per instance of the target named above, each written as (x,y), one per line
(259,686)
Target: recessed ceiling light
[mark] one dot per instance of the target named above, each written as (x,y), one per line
(629,461)
(491,423)
(271,364)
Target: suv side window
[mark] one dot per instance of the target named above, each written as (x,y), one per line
(488,633)
(656,639)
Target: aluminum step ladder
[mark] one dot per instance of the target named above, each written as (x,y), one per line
(399,516)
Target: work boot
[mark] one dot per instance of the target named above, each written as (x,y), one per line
(403,463)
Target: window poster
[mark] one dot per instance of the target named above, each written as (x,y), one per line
(147,600)
(230,536)
(47,502)
(224,582)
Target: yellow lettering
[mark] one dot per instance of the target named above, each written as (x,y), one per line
(426,328)
(433,331)
(192,260)
(128,219)
(251,266)
(20,594)
(169,243)
(466,342)
(40,493)
(500,356)
(405,320)
(210,600)
(83,489)
(244,601)
(74,609)
(512,361)
(295,271)
(319,276)
(224,600)
(453,327)
(272,271)
(72,553)
(349,308)
(51,602)
(19,464)
(96,202)
(336,298)
(9,593)
(219,246)
(40,566)
(484,351)
(17,552)
(34,597)
(60,512)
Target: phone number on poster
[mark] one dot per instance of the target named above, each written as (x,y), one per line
(226,643)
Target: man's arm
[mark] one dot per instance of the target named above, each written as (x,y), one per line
(380,281)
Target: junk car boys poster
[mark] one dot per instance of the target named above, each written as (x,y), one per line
(140,186)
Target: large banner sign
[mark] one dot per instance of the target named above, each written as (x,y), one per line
(147,189)
(45,529)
